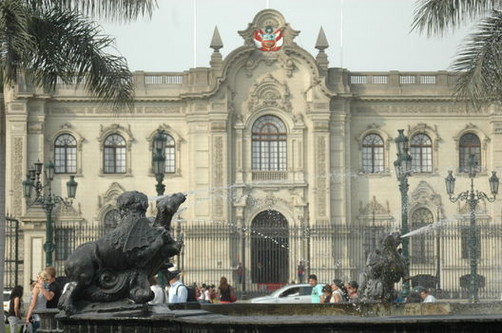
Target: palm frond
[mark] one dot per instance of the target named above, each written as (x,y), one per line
(15,41)
(114,10)
(69,47)
(435,17)
(479,63)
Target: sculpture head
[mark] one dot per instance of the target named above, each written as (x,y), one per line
(391,241)
(132,202)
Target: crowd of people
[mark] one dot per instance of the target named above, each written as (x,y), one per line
(348,292)
(336,292)
(177,292)
(45,293)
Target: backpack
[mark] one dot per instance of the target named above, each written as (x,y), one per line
(190,293)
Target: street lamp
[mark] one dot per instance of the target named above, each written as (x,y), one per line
(159,160)
(403,171)
(159,167)
(472,197)
(48,200)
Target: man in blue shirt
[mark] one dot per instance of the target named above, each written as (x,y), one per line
(316,288)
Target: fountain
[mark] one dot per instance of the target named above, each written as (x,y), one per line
(109,291)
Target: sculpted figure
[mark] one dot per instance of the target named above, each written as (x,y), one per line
(118,265)
(385,266)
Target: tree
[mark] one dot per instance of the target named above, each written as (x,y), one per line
(479,61)
(51,40)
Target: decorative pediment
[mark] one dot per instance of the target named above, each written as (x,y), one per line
(269,93)
(374,207)
(423,194)
(110,196)
(270,28)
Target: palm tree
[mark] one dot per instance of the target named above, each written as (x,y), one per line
(479,61)
(51,40)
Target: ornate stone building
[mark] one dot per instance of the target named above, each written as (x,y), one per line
(268,136)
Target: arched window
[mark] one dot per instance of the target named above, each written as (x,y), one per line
(170,152)
(373,149)
(422,245)
(65,154)
(111,220)
(421,153)
(269,144)
(114,154)
(469,144)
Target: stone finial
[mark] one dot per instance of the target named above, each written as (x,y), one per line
(322,42)
(321,45)
(216,43)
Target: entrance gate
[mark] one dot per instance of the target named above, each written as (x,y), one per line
(269,248)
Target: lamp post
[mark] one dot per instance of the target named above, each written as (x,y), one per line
(159,167)
(403,171)
(472,197)
(48,200)
(159,160)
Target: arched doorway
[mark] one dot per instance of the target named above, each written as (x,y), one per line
(269,248)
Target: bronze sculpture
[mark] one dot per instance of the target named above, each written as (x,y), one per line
(385,266)
(118,265)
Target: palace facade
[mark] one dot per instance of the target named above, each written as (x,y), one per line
(272,145)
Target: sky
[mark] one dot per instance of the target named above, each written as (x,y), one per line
(364,35)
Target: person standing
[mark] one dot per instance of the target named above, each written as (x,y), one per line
(14,318)
(240,273)
(300,272)
(51,289)
(159,296)
(178,292)
(353,293)
(337,296)
(427,298)
(316,289)
(38,301)
(225,291)
(327,293)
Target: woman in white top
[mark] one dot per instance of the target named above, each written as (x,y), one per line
(38,302)
(336,296)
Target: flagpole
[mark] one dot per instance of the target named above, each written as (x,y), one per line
(341,33)
(194,33)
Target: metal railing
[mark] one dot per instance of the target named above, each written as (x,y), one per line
(260,259)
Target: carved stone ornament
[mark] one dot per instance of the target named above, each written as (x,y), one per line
(269,93)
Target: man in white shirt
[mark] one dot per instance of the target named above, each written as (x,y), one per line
(178,292)
(424,294)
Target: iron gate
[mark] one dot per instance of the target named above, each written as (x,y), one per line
(13,275)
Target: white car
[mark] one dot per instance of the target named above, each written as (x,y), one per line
(292,293)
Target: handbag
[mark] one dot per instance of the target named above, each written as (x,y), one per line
(233,296)
(27,328)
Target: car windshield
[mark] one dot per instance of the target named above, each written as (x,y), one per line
(291,291)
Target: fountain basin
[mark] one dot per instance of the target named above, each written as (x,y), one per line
(246,317)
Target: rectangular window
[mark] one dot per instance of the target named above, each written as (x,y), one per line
(65,160)
(170,160)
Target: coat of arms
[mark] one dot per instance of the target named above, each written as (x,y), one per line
(268,40)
